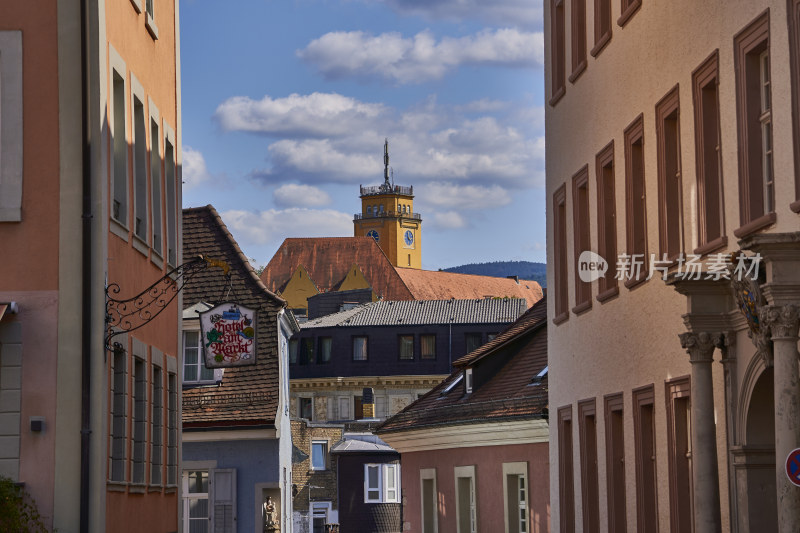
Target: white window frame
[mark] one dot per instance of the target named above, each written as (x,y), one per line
(767,139)
(324,458)
(467,472)
(11,126)
(140,176)
(317,511)
(139,461)
(517,469)
(119,415)
(424,475)
(157,412)
(217,372)
(170,195)
(188,496)
(150,20)
(117,68)
(468,380)
(386,472)
(300,408)
(156,183)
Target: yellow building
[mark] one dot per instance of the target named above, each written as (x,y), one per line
(387,215)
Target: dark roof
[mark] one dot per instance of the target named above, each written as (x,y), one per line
(247,395)
(508,395)
(328,260)
(483,311)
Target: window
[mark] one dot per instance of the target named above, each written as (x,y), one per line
(607,220)
(157,426)
(359,348)
(466,502)
(644,431)
(566,495)
(794,53)
(515,495)
(602,25)
(119,439)
(319,516)
(139,419)
(155,183)
(468,384)
(293,351)
(405,347)
(430,499)
(472,341)
(344,408)
(358,407)
(172,429)
(679,450)
(171,197)
(149,21)
(306,351)
(560,249)
(581,243)
(627,10)
(381,483)
(427,346)
(635,203)
(119,182)
(11,126)
(139,168)
(305,408)
(589,485)
(324,353)
(557,53)
(194,366)
(578,20)
(319,455)
(670,188)
(196,510)
(615,463)
(754,118)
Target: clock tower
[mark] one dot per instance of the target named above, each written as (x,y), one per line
(387,215)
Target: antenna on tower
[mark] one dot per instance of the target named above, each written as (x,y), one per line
(386,161)
(391,172)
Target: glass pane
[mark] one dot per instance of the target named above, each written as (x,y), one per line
(406,347)
(198,508)
(325,348)
(318,451)
(198,525)
(190,356)
(293,351)
(373,495)
(390,480)
(372,477)
(191,339)
(360,348)
(428,346)
(206,374)
(198,482)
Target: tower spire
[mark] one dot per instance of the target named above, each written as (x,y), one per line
(386,162)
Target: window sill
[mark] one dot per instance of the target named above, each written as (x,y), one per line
(170,489)
(577,71)
(560,319)
(137,488)
(631,284)
(583,306)
(608,294)
(713,246)
(600,44)
(155,488)
(755,225)
(137,5)
(150,24)
(118,229)
(630,12)
(557,96)
(116,486)
(156,259)
(140,246)
(795,206)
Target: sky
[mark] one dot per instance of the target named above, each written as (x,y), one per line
(286,105)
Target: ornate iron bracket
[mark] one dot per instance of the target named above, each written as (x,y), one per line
(123,316)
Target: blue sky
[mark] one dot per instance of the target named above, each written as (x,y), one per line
(286,104)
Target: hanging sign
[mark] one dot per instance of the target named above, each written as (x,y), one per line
(229,335)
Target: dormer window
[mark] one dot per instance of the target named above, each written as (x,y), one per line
(468,380)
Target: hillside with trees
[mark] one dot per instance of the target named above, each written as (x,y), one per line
(502,269)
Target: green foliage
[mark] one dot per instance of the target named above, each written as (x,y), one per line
(502,269)
(18,513)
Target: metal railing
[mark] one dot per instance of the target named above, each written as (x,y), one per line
(388,214)
(384,189)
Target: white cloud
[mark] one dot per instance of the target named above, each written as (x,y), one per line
(519,13)
(392,57)
(294,195)
(448,220)
(464,196)
(263,227)
(194,170)
(316,114)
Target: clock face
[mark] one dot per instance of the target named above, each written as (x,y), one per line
(409,237)
(374,234)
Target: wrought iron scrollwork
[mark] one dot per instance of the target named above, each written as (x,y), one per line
(123,316)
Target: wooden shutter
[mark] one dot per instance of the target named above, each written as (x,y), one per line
(222,493)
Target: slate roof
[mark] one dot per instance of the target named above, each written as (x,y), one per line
(441,285)
(247,395)
(328,260)
(361,443)
(508,395)
(421,312)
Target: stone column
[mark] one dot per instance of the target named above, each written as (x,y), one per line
(782,323)
(705,473)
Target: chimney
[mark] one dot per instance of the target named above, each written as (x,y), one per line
(515,278)
(368,402)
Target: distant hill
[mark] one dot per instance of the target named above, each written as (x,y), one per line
(502,269)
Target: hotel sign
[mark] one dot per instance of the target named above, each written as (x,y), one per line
(229,335)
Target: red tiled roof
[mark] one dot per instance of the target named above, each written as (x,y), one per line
(441,285)
(248,394)
(328,260)
(509,394)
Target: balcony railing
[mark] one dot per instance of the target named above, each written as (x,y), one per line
(388,214)
(384,189)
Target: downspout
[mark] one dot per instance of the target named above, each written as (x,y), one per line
(86,288)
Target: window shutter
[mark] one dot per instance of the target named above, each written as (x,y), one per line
(223,500)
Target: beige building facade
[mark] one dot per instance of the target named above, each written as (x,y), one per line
(673,139)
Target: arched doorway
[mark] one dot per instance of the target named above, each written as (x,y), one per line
(761,497)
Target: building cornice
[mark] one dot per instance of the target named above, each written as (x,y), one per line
(203,435)
(469,436)
(422,381)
